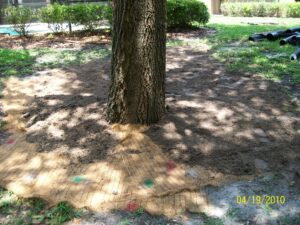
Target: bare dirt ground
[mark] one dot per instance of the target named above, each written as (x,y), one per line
(229,123)
(222,121)
(52,41)
(78,40)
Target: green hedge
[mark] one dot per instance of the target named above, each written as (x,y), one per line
(87,15)
(55,15)
(261,9)
(293,10)
(180,13)
(183,13)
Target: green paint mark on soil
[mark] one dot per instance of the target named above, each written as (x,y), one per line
(148,183)
(78,179)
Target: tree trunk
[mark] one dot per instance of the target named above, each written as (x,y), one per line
(137,91)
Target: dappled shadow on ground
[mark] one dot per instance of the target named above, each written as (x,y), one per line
(225,121)
(222,126)
(72,114)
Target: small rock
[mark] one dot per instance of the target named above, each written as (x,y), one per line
(259,132)
(192,173)
(264,140)
(188,132)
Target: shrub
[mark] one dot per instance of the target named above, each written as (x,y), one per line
(261,9)
(55,15)
(274,10)
(20,18)
(87,15)
(293,10)
(246,10)
(182,13)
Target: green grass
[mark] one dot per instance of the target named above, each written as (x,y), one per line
(15,62)
(139,212)
(25,62)
(231,46)
(61,57)
(15,211)
(63,212)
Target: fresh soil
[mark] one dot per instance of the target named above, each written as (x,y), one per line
(93,136)
(220,120)
(225,121)
(229,123)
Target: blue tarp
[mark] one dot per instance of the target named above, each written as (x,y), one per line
(8,30)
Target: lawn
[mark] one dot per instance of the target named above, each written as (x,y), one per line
(25,62)
(230,45)
(18,211)
(268,59)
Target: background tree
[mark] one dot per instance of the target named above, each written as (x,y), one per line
(137,91)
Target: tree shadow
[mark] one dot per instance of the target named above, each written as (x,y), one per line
(73,121)
(215,120)
(225,121)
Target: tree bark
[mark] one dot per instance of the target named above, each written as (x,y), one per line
(137,91)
